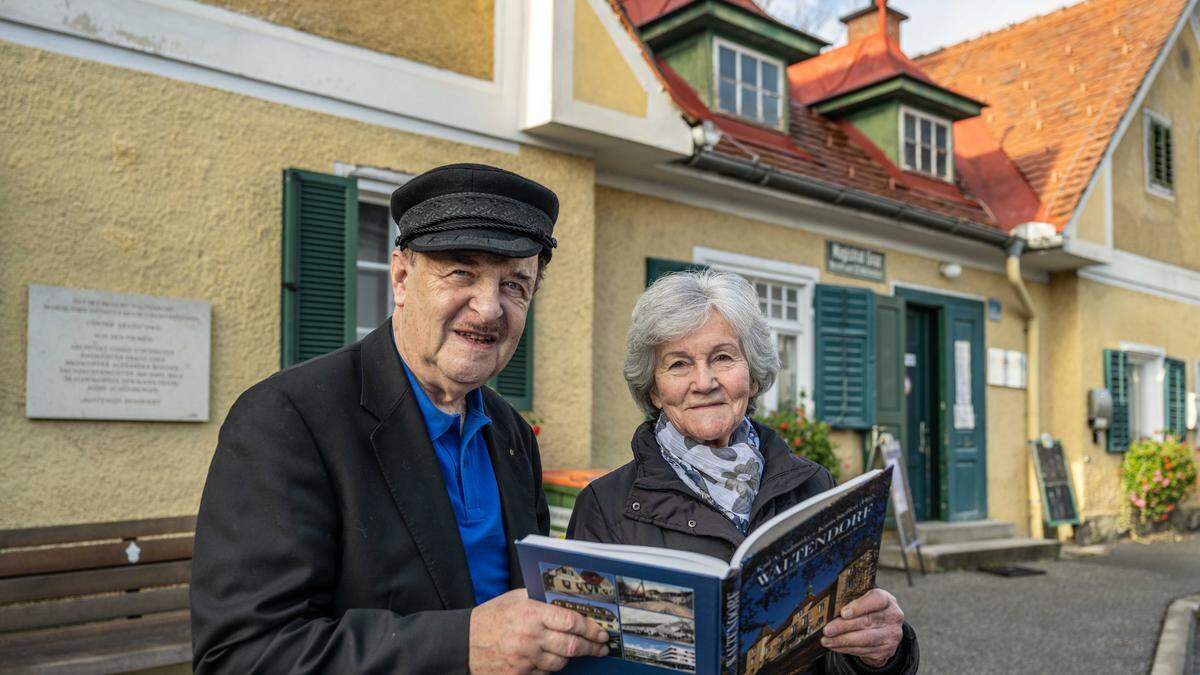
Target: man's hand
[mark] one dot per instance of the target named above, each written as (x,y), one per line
(869,628)
(513,634)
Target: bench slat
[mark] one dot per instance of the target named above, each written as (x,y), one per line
(66,534)
(83,610)
(92,556)
(90,582)
(107,647)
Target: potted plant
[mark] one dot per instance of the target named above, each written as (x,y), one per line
(1156,476)
(806,436)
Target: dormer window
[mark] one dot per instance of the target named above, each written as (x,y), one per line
(927,144)
(749,84)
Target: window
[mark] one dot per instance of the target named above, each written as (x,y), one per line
(376,239)
(1148,392)
(1160,162)
(785,298)
(927,144)
(749,84)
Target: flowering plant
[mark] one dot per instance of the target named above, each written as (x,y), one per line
(1156,476)
(535,423)
(806,436)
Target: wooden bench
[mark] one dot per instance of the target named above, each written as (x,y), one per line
(96,598)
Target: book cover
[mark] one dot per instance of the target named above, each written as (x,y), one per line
(670,611)
(795,585)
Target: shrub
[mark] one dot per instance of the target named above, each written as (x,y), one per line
(1156,476)
(807,437)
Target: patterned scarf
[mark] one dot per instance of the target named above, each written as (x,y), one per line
(726,478)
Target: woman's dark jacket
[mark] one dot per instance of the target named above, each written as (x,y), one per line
(646,504)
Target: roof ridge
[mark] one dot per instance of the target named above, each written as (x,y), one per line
(1014,25)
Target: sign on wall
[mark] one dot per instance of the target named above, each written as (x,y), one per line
(854,261)
(114,356)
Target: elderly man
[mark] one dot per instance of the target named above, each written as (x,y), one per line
(360,508)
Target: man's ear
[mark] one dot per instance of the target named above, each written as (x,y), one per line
(400,274)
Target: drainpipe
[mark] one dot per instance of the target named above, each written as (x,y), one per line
(1032,424)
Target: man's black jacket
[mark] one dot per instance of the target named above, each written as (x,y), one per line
(326,542)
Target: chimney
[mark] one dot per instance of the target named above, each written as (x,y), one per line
(865,22)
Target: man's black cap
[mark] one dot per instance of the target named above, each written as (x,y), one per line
(475,207)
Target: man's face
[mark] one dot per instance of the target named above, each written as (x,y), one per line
(459,314)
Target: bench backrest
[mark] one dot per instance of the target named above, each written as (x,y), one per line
(72,574)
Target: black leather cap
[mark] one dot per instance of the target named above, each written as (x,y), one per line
(475,207)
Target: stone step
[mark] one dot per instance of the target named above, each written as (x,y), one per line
(971,554)
(934,532)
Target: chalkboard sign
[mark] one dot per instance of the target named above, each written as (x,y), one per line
(1058,494)
(906,524)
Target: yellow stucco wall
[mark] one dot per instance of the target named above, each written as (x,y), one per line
(429,32)
(600,75)
(173,189)
(651,227)
(1091,226)
(1087,330)
(1146,224)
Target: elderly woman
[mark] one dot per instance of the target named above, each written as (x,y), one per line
(704,474)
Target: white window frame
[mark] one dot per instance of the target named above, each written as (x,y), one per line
(781,91)
(805,278)
(936,122)
(1149,117)
(1147,404)
(375,186)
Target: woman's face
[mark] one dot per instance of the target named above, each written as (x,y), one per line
(702,382)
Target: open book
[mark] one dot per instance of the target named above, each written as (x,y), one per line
(762,612)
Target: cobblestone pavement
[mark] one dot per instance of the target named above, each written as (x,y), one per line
(1085,615)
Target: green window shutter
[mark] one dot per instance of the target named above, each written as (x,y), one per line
(845,356)
(515,382)
(1116,378)
(1175,401)
(657,267)
(320,280)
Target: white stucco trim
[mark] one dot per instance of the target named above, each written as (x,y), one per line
(1135,106)
(1083,248)
(374,183)
(1145,275)
(550,107)
(121,57)
(193,33)
(778,270)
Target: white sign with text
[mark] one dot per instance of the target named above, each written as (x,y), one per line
(114,356)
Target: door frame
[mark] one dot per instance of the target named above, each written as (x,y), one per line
(971,309)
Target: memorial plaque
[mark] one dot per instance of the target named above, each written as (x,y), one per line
(113,356)
(1058,493)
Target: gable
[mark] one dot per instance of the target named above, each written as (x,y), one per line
(600,74)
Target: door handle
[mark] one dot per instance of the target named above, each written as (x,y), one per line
(923,444)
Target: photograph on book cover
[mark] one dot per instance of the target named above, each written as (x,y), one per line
(648,621)
(603,613)
(796,585)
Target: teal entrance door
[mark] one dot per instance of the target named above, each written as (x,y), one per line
(947,414)
(921,397)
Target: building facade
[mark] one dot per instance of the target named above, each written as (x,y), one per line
(241,153)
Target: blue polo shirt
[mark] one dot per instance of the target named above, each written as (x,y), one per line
(471,484)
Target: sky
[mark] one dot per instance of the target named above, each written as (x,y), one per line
(931,24)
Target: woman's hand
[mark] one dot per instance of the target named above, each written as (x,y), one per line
(869,628)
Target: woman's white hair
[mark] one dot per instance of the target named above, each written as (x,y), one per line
(678,304)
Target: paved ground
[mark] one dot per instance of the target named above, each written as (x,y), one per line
(1085,615)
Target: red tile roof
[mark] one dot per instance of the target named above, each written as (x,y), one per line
(1058,86)
(839,71)
(642,12)
(816,147)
